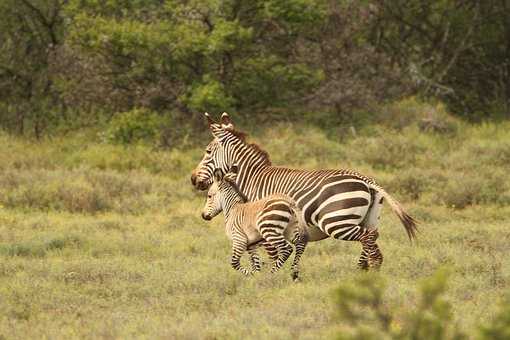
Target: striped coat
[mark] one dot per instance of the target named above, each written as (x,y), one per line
(272,221)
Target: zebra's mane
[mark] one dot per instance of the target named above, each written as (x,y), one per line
(262,153)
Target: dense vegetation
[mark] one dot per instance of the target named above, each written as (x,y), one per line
(72,63)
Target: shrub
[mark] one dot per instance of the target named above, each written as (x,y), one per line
(410,111)
(485,186)
(84,191)
(500,326)
(362,306)
(389,150)
(134,126)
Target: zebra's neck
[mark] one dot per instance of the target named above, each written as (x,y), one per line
(230,200)
(250,160)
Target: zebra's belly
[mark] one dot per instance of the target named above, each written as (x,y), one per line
(253,236)
(315,234)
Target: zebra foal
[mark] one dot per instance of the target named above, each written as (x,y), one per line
(271,222)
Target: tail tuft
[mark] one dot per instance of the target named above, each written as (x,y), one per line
(410,224)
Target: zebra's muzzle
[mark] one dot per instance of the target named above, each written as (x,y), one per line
(206,217)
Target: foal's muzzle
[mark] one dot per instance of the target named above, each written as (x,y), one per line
(206,217)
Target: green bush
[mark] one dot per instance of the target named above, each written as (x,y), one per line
(500,326)
(411,111)
(362,307)
(134,126)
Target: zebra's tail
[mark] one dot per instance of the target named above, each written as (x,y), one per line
(409,223)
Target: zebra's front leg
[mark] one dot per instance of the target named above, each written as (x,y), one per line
(300,242)
(238,247)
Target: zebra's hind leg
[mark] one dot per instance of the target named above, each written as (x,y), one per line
(366,237)
(363,259)
(371,256)
(375,257)
(272,252)
(300,242)
(284,250)
(254,259)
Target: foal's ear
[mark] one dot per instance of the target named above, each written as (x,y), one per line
(226,122)
(218,175)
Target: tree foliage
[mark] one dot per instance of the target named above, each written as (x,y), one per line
(68,61)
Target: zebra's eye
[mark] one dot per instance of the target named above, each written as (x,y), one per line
(208,152)
(209,196)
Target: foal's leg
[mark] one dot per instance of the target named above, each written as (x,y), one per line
(238,248)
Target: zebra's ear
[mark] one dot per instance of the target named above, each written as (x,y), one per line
(226,122)
(215,128)
(209,119)
(218,175)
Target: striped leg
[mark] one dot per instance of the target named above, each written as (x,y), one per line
(363,259)
(255,260)
(375,258)
(272,252)
(238,248)
(284,250)
(300,241)
(370,254)
(273,234)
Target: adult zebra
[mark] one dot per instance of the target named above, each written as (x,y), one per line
(339,203)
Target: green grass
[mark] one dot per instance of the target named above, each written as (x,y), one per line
(102,241)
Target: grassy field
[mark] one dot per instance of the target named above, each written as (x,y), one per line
(103,241)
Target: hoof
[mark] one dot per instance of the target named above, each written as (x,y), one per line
(295,277)
(363,267)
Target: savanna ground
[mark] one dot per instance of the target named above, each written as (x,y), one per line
(106,241)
